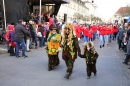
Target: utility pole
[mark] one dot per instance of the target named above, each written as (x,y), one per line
(4,13)
(40,13)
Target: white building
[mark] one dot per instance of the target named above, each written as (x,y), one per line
(67,11)
(119,16)
(92,8)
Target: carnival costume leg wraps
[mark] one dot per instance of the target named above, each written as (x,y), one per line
(52,61)
(69,64)
(91,68)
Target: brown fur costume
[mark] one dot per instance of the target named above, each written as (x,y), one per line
(70,48)
(90,55)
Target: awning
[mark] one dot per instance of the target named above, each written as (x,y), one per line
(49,1)
(126,17)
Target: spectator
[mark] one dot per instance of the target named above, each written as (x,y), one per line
(128,46)
(19,38)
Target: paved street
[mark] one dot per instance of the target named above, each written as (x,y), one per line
(32,71)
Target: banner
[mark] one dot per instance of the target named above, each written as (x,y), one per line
(15,10)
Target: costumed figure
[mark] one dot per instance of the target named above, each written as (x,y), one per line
(53,47)
(70,48)
(90,55)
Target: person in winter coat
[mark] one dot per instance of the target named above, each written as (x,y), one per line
(86,32)
(91,56)
(41,35)
(70,47)
(32,38)
(128,46)
(9,36)
(27,37)
(102,38)
(19,38)
(120,37)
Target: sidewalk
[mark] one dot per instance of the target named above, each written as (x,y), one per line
(3,48)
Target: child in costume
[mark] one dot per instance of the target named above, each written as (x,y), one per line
(90,55)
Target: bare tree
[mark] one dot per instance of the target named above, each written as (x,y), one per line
(86,18)
(78,16)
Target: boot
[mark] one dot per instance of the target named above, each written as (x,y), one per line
(8,51)
(12,51)
(88,77)
(100,46)
(95,74)
(49,69)
(67,76)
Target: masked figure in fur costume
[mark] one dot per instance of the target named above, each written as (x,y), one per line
(90,55)
(53,47)
(70,47)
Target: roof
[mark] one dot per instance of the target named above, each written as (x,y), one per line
(121,10)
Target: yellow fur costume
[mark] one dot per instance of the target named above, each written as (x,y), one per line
(54,44)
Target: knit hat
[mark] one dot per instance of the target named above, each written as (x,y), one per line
(11,27)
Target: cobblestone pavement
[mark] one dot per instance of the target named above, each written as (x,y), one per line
(32,71)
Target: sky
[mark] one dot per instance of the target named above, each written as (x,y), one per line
(107,8)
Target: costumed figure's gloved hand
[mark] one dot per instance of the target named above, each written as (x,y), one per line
(78,39)
(94,58)
(46,48)
(58,50)
(61,45)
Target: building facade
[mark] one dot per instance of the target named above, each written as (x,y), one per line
(70,12)
(91,4)
(119,16)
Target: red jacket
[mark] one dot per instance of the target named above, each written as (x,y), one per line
(115,28)
(94,28)
(77,30)
(90,34)
(108,31)
(111,30)
(81,29)
(102,30)
(85,31)
(51,21)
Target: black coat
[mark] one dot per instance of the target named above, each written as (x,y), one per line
(19,32)
(41,29)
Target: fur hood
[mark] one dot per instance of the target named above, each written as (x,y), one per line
(71,34)
(88,44)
